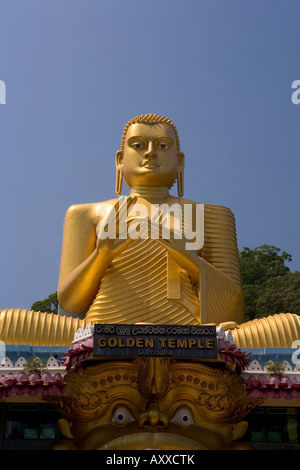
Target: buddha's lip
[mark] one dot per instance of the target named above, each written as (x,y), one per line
(152,441)
(150,164)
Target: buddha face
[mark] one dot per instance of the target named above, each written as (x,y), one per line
(150,156)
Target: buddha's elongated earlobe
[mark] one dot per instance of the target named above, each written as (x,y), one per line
(119,181)
(180,183)
(119,172)
(180,174)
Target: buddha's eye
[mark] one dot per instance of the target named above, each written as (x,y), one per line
(183,417)
(122,416)
(163,146)
(137,145)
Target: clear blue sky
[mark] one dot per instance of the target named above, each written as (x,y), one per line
(77,70)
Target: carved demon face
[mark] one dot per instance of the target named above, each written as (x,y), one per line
(152,403)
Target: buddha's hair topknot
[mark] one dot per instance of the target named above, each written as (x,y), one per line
(151,119)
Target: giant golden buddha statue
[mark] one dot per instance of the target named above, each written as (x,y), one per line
(143,278)
(117,264)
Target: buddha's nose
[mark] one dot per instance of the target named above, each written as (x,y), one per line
(153,418)
(151,152)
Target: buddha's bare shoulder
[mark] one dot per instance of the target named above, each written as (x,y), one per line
(210,208)
(89,211)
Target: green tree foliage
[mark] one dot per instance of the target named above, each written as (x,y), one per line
(263,263)
(275,368)
(49,305)
(269,286)
(281,295)
(35,364)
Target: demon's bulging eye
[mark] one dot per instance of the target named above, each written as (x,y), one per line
(183,417)
(122,416)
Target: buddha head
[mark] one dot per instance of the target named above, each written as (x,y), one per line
(150,154)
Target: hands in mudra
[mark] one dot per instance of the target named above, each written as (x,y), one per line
(121,226)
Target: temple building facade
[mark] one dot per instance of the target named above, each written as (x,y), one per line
(29,420)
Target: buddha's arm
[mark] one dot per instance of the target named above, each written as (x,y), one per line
(85,257)
(77,291)
(82,266)
(224,292)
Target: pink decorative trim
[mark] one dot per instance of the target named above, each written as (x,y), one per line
(272,387)
(80,351)
(32,384)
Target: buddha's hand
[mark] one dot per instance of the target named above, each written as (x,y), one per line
(112,238)
(186,259)
(175,243)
